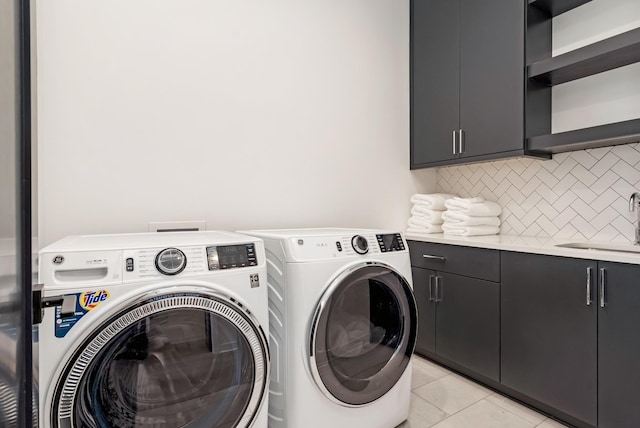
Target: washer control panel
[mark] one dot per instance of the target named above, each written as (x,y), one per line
(162,262)
(145,263)
(390,242)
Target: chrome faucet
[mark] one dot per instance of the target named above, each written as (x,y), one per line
(634,205)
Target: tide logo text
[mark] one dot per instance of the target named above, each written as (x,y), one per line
(91,299)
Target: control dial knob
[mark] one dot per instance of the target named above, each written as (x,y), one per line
(360,244)
(171,261)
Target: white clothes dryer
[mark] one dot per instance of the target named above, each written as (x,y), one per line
(343,327)
(154,329)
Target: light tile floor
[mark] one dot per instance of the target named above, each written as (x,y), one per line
(443,399)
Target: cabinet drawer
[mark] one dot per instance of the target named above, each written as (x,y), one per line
(467,261)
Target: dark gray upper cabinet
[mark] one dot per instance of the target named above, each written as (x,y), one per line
(435,80)
(549,341)
(491,76)
(619,346)
(467,81)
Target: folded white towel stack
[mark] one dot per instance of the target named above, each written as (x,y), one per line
(433,216)
(471,217)
(426,213)
(473,206)
(459,218)
(434,201)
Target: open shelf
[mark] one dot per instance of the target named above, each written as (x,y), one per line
(610,134)
(605,55)
(557,7)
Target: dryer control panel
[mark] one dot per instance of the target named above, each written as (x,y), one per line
(390,242)
(314,248)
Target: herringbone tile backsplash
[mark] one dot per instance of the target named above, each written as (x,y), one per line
(575,195)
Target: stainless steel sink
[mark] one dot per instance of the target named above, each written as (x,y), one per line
(602,246)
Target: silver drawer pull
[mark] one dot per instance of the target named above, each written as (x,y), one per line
(603,284)
(588,286)
(431,298)
(429,256)
(438,290)
(454,142)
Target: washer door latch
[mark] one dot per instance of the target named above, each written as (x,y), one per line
(67,304)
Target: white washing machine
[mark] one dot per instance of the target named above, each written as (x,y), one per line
(154,329)
(343,327)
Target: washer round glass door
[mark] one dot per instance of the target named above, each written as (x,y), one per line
(171,360)
(363,334)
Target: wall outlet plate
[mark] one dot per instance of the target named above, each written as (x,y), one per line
(177,226)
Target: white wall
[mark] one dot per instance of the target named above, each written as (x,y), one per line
(246,114)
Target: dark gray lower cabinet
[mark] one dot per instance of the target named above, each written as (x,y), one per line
(562,332)
(549,331)
(422,280)
(619,346)
(459,319)
(468,323)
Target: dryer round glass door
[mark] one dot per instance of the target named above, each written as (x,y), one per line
(363,334)
(174,360)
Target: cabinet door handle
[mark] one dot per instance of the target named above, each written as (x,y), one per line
(461,141)
(455,142)
(603,284)
(588,286)
(431,298)
(430,256)
(438,289)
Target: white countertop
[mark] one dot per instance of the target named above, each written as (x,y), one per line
(528,244)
